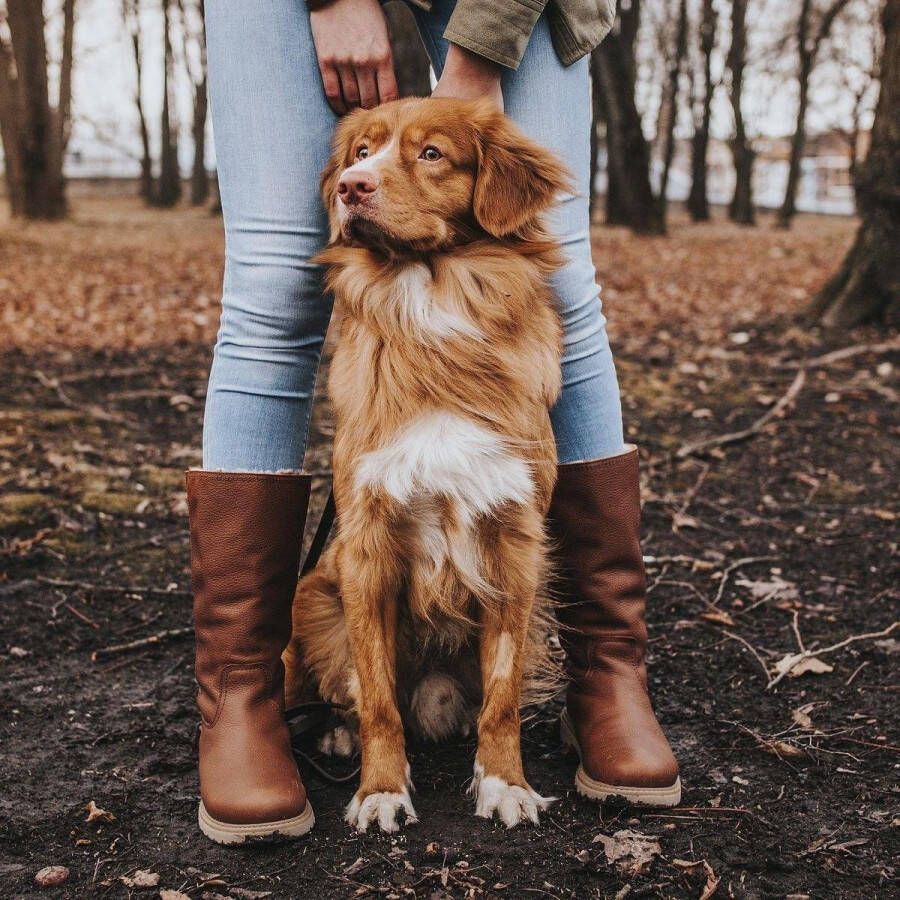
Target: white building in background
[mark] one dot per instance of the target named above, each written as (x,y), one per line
(825,187)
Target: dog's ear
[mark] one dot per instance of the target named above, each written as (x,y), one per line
(517,178)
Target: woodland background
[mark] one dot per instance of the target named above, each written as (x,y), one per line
(747,198)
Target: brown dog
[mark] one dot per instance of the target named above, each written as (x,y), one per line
(428,603)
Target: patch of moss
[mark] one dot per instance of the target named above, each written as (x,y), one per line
(161,479)
(113,502)
(21,509)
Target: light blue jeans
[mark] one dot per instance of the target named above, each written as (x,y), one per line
(272,131)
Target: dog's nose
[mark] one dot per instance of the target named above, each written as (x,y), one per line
(354,186)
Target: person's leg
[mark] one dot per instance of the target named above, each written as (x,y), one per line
(272,129)
(248,505)
(594,516)
(551,103)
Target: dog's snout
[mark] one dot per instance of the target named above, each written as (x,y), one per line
(356,184)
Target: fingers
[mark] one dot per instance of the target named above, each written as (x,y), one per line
(387,81)
(349,87)
(368,88)
(332,83)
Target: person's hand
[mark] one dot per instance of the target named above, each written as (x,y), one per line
(354,53)
(468,76)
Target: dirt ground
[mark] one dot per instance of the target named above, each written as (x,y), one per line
(757,549)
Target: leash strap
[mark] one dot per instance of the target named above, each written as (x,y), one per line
(320,538)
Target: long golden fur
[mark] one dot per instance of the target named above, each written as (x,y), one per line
(429,603)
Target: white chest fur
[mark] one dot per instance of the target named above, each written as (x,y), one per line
(423,314)
(442,454)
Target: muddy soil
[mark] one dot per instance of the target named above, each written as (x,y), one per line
(789,534)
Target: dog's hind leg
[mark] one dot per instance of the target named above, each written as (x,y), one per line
(513,561)
(369,563)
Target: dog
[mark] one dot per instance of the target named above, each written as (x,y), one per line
(429,605)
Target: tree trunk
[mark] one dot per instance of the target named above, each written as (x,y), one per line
(808,45)
(698,202)
(672,96)
(10,131)
(169,187)
(630,198)
(131,17)
(43,195)
(740,209)
(411,63)
(867,286)
(798,139)
(199,175)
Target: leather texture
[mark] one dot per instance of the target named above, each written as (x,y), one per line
(246,533)
(595,520)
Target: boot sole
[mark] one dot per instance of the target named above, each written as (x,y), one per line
(599,791)
(230,833)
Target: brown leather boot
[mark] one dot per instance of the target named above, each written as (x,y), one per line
(246,531)
(595,519)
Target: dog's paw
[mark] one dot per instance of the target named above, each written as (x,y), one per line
(383,808)
(341,741)
(512,803)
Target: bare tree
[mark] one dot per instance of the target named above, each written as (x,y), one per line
(132,18)
(33,130)
(629,198)
(194,33)
(10,129)
(867,286)
(669,104)
(740,209)
(809,35)
(168,190)
(698,202)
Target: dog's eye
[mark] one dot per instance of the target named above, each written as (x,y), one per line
(362,152)
(431,154)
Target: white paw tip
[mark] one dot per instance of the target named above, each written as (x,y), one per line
(381,808)
(512,803)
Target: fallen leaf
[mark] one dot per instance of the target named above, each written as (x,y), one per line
(719,616)
(812,665)
(712,882)
(95,813)
(170,894)
(51,876)
(355,866)
(774,588)
(801,715)
(783,748)
(141,879)
(630,850)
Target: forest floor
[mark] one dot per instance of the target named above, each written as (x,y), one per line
(784,540)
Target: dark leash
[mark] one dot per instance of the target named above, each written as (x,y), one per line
(320,538)
(313,719)
(308,721)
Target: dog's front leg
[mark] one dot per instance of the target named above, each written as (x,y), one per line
(370,579)
(499,784)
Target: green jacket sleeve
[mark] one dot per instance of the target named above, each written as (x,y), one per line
(498,30)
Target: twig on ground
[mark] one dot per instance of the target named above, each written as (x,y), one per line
(736,436)
(737,564)
(113,588)
(791,662)
(843,353)
(89,409)
(751,648)
(80,615)
(152,640)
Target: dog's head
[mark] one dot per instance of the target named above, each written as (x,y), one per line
(423,175)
